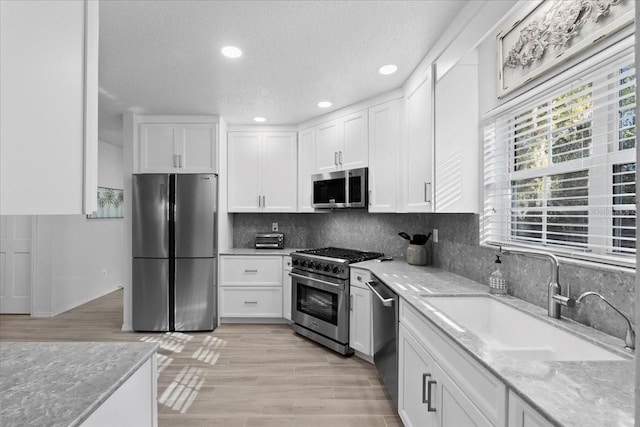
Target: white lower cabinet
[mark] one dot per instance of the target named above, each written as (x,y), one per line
(523,415)
(461,391)
(251,286)
(360,313)
(286,288)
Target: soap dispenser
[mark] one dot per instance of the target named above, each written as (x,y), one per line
(497,282)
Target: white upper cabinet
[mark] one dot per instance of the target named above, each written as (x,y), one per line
(48,107)
(178,148)
(456,140)
(306,167)
(343,143)
(262,172)
(418,150)
(384,145)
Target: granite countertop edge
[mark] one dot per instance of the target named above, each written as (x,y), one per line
(109,392)
(450,284)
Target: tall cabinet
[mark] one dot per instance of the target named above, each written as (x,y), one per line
(262,171)
(48,107)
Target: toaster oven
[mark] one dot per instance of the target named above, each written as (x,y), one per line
(269,240)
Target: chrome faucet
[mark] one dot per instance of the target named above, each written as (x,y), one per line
(555,298)
(630,338)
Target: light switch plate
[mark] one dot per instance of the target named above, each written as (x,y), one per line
(274,226)
(435,235)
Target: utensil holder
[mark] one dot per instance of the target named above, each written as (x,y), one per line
(417,255)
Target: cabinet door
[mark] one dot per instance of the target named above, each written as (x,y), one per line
(523,415)
(454,408)
(158,148)
(456,146)
(49,107)
(354,152)
(286,288)
(279,172)
(415,369)
(244,172)
(197,148)
(418,153)
(384,146)
(328,143)
(306,168)
(360,320)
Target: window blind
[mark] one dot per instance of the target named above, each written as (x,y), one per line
(559,170)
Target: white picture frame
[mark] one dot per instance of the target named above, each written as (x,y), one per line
(548,32)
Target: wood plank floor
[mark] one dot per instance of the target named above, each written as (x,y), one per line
(238,375)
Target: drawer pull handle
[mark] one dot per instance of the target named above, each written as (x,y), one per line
(251,302)
(251,271)
(429,398)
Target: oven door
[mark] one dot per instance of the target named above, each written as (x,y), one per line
(320,305)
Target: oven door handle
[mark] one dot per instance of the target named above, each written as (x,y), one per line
(385,302)
(313,279)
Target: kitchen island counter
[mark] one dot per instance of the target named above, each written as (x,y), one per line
(63,383)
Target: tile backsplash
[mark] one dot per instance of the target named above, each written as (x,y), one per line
(457,251)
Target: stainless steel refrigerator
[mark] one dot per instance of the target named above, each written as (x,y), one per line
(174,252)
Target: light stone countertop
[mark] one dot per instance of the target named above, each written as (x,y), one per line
(254,251)
(567,393)
(63,383)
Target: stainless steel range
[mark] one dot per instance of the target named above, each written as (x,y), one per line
(320,294)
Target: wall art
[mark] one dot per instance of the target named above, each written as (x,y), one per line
(110,204)
(551,31)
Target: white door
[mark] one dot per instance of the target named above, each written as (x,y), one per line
(244,172)
(354,152)
(306,168)
(197,146)
(384,146)
(328,143)
(279,172)
(360,320)
(419,150)
(16,261)
(157,148)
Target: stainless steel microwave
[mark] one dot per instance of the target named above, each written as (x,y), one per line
(340,189)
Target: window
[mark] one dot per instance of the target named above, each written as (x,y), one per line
(559,170)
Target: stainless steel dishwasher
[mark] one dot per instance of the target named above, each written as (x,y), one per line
(385,335)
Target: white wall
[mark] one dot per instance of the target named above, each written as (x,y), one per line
(72,250)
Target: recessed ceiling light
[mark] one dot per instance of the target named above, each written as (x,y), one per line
(231,52)
(387,69)
(324,104)
(259,119)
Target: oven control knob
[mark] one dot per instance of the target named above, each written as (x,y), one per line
(327,267)
(337,270)
(310,264)
(296,262)
(303,264)
(318,266)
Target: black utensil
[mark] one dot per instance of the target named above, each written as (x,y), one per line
(419,239)
(404,235)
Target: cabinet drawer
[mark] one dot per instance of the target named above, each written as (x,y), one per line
(251,271)
(358,277)
(251,302)
(487,392)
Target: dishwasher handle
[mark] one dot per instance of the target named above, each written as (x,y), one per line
(387,302)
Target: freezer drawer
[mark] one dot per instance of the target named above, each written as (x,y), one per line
(195,294)
(150,294)
(195,214)
(150,222)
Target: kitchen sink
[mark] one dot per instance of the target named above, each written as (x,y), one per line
(514,333)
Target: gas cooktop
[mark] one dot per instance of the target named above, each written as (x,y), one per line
(348,255)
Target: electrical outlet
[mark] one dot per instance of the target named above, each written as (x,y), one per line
(103,273)
(435,235)
(274,226)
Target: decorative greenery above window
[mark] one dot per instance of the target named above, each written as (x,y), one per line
(559,170)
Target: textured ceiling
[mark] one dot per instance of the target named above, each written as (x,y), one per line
(162,57)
